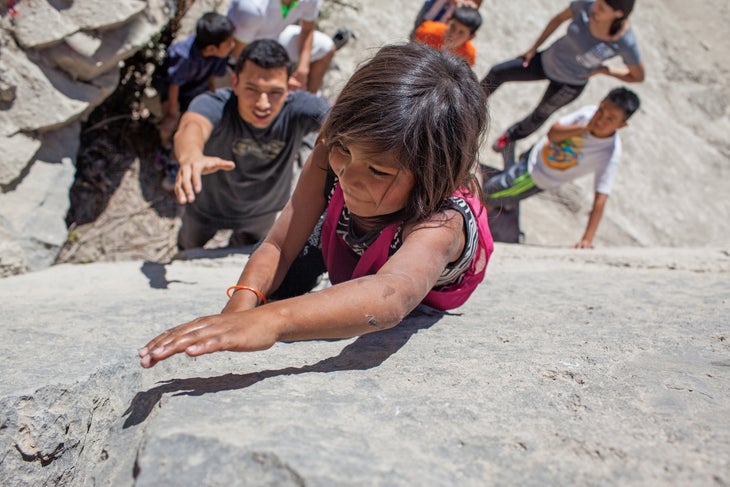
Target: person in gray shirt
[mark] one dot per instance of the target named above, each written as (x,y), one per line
(598,31)
(236,148)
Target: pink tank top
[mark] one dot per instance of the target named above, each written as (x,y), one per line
(343,264)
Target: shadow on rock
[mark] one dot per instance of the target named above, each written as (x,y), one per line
(156,273)
(367,352)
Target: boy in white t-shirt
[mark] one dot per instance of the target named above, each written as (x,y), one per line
(584,142)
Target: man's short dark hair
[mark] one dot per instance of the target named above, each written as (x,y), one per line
(265,53)
(625,99)
(212,29)
(470,17)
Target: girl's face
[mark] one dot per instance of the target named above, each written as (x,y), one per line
(372,184)
(601,11)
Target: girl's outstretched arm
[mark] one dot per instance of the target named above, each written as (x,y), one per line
(348,309)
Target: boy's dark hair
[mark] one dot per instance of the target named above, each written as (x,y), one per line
(212,29)
(423,106)
(625,99)
(265,53)
(626,6)
(469,17)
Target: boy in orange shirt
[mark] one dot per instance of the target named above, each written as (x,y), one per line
(455,35)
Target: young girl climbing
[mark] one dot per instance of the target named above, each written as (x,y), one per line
(404,223)
(599,30)
(387,204)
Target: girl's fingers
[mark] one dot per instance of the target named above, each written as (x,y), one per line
(176,340)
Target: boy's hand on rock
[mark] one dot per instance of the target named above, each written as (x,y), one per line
(584,244)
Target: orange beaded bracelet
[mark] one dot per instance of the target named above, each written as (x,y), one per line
(259,294)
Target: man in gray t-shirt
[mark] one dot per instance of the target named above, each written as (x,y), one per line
(236,148)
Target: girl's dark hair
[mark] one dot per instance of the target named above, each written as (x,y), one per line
(426,108)
(267,54)
(626,6)
(212,29)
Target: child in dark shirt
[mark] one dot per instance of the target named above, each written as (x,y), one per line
(188,69)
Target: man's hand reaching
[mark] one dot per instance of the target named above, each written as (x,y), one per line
(188,182)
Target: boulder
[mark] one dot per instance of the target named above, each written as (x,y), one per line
(59,60)
(42,23)
(86,55)
(566,367)
(33,213)
(17,150)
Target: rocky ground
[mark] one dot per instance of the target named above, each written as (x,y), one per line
(609,367)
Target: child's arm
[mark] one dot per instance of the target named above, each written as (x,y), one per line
(628,74)
(268,265)
(306,38)
(554,23)
(172,108)
(170,114)
(348,309)
(189,143)
(559,132)
(599,204)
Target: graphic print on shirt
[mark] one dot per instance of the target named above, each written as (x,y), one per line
(564,155)
(594,56)
(261,150)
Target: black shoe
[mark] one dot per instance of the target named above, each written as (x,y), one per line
(341,37)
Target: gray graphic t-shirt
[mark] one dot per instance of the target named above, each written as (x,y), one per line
(261,182)
(574,56)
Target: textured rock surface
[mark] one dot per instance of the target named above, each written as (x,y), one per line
(58,61)
(565,368)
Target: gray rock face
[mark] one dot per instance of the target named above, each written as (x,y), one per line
(565,368)
(17,150)
(43,23)
(58,61)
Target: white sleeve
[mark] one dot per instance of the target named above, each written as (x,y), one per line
(245,20)
(604,178)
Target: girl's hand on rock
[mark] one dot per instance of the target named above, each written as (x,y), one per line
(207,334)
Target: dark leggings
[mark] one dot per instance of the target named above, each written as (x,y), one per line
(196,232)
(303,275)
(556,96)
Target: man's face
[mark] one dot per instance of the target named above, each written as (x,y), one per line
(456,34)
(607,120)
(261,93)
